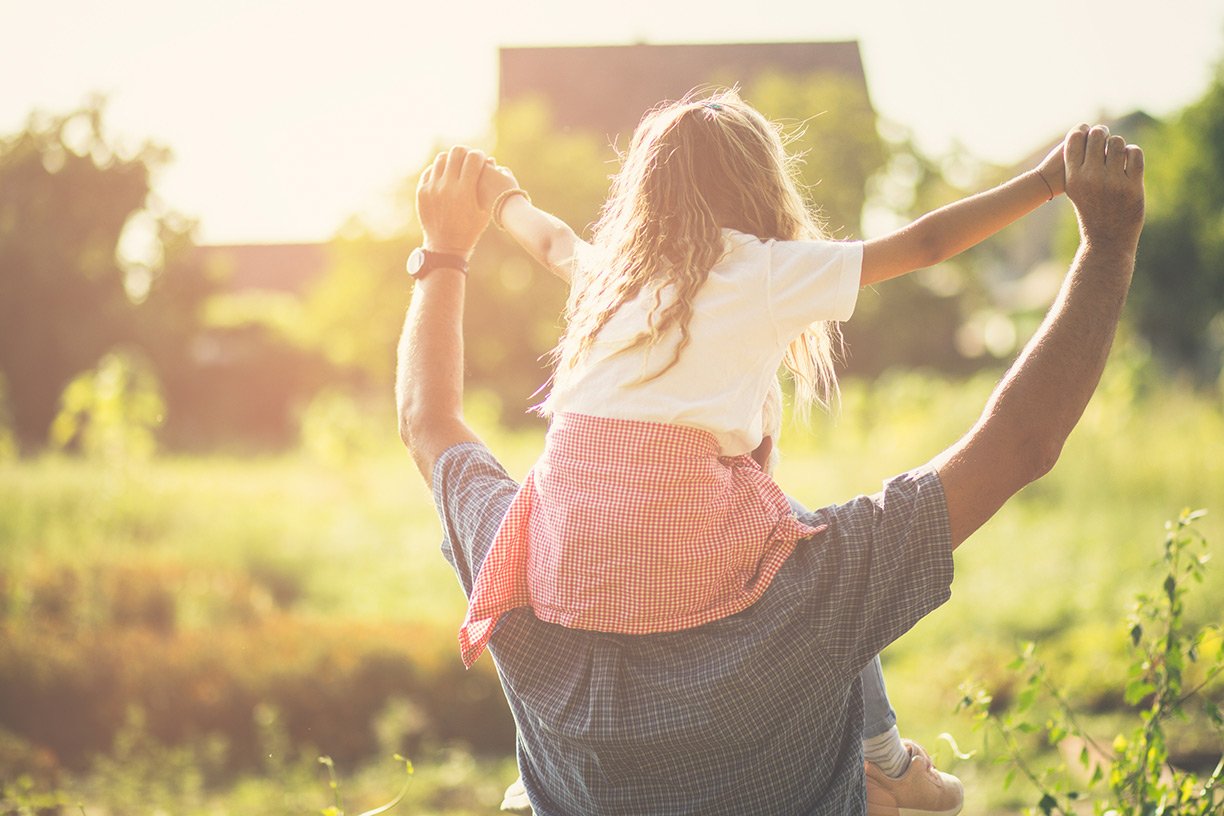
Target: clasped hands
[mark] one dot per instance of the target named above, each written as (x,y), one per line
(454,198)
(1103,177)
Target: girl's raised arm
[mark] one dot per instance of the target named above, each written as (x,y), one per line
(546,238)
(950,230)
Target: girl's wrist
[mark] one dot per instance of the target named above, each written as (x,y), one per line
(499,203)
(1049,187)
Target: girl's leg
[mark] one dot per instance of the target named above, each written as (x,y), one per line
(882,744)
(878,715)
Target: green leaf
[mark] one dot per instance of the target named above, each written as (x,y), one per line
(1137,689)
(1213,713)
(1047,804)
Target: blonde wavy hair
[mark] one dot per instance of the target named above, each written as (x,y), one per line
(694,167)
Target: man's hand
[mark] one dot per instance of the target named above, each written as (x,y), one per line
(451,217)
(1105,183)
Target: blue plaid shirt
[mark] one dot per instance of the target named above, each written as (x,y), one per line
(756,713)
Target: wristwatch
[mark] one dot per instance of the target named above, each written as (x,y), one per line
(423,261)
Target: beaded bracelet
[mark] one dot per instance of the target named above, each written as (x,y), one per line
(500,202)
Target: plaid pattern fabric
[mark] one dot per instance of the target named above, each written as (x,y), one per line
(759,712)
(633,527)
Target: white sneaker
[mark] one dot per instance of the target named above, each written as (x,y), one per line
(515,800)
(920,791)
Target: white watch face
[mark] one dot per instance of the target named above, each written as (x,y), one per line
(422,261)
(415,261)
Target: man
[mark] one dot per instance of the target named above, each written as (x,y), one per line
(899,772)
(759,712)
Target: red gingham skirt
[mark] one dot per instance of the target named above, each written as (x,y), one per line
(632,527)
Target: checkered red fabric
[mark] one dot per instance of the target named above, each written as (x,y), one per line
(632,527)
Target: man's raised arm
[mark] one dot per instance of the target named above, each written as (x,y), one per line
(429,373)
(1033,409)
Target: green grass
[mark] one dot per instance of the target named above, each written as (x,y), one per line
(357,540)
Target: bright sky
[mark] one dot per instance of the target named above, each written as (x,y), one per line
(287,116)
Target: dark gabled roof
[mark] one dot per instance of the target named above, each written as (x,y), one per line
(606,89)
(264,267)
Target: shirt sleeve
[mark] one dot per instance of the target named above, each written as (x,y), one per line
(884,563)
(811,281)
(472,493)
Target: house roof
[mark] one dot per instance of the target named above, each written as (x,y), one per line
(606,89)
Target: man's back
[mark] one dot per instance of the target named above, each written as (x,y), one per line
(758,712)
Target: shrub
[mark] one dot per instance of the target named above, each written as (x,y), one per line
(199,652)
(112,411)
(1168,690)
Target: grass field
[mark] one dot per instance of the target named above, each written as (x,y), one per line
(352,541)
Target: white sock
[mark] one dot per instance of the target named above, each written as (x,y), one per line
(887,753)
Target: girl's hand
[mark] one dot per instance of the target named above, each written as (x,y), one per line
(494,180)
(1052,169)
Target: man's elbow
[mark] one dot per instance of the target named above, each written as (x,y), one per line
(1041,454)
(415,423)
(415,432)
(405,430)
(405,407)
(1021,455)
(415,419)
(427,431)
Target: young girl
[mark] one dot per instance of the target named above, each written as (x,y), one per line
(706,272)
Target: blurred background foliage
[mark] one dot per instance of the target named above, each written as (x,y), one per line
(92,263)
(210,566)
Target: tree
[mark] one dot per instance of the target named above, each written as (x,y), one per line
(1178,294)
(68,294)
(354,312)
(833,128)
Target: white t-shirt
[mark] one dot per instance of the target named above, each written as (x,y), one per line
(757,300)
